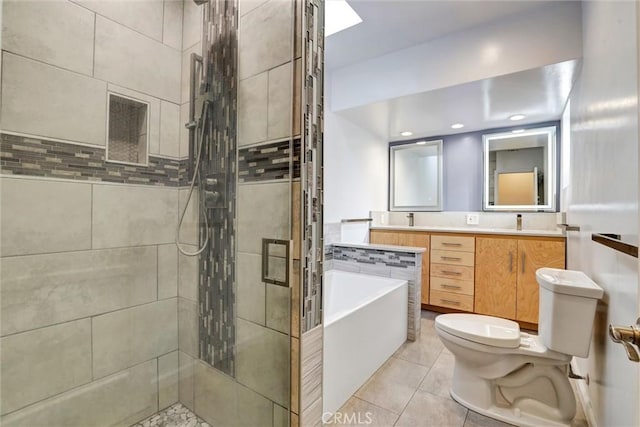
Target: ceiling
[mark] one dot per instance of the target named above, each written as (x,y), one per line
(540,94)
(391,25)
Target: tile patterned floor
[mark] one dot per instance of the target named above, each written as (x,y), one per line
(412,389)
(174,416)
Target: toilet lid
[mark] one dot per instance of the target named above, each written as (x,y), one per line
(487,330)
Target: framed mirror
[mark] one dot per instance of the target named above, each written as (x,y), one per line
(520,170)
(415,176)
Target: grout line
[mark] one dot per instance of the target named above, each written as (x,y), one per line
(88,249)
(93,59)
(90,316)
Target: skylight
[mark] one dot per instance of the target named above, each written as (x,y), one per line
(339,16)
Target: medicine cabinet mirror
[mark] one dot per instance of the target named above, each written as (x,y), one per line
(415,176)
(520,170)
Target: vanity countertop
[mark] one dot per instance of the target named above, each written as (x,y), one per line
(472,230)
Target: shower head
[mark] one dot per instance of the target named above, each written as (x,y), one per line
(200,2)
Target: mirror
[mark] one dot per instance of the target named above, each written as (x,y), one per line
(520,170)
(415,176)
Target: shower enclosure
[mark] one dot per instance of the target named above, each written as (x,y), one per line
(161,211)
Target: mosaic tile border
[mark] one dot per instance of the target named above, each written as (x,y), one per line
(371,256)
(21,155)
(217,264)
(268,161)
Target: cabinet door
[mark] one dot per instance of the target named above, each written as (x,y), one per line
(419,240)
(383,237)
(534,254)
(496,266)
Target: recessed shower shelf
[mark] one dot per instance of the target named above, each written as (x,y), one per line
(614,241)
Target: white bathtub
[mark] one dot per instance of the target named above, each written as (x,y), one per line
(365,321)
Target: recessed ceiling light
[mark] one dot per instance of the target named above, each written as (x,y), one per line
(406,133)
(517,131)
(339,16)
(457,126)
(421,142)
(516,117)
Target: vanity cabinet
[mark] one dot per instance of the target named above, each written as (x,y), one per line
(484,273)
(452,271)
(414,239)
(501,263)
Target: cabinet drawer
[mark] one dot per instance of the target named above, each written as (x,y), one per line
(453,243)
(460,272)
(464,287)
(453,257)
(451,300)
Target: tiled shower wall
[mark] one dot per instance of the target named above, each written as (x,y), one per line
(90,275)
(255,388)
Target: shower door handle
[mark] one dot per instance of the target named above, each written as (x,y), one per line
(275,261)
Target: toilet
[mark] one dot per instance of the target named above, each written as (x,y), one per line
(521,378)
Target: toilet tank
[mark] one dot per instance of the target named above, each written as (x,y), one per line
(568,301)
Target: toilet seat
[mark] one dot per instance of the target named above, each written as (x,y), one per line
(487,330)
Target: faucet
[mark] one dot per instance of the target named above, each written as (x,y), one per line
(519,222)
(410,216)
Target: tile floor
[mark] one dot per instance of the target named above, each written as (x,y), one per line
(412,389)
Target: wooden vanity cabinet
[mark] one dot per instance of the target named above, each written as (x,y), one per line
(506,284)
(532,255)
(416,239)
(452,261)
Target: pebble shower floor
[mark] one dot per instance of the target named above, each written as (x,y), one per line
(174,416)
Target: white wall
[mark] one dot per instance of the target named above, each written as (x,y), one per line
(355,169)
(603,197)
(516,44)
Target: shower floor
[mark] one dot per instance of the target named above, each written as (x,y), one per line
(176,415)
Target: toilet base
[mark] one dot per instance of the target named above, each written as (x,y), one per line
(509,415)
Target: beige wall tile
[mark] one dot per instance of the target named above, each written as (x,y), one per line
(280,416)
(188,275)
(184,132)
(41,363)
(67,105)
(40,290)
(133,215)
(167,271)
(186,380)
(278,310)
(265,38)
(144,16)
(33,29)
(252,109)
(222,401)
(272,201)
(191,24)
(188,327)
(126,337)
(246,6)
(250,289)
(169,129)
(280,102)
(191,220)
(120,399)
(167,380)
(126,58)
(263,361)
(186,71)
(172,27)
(44,221)
(153,113)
